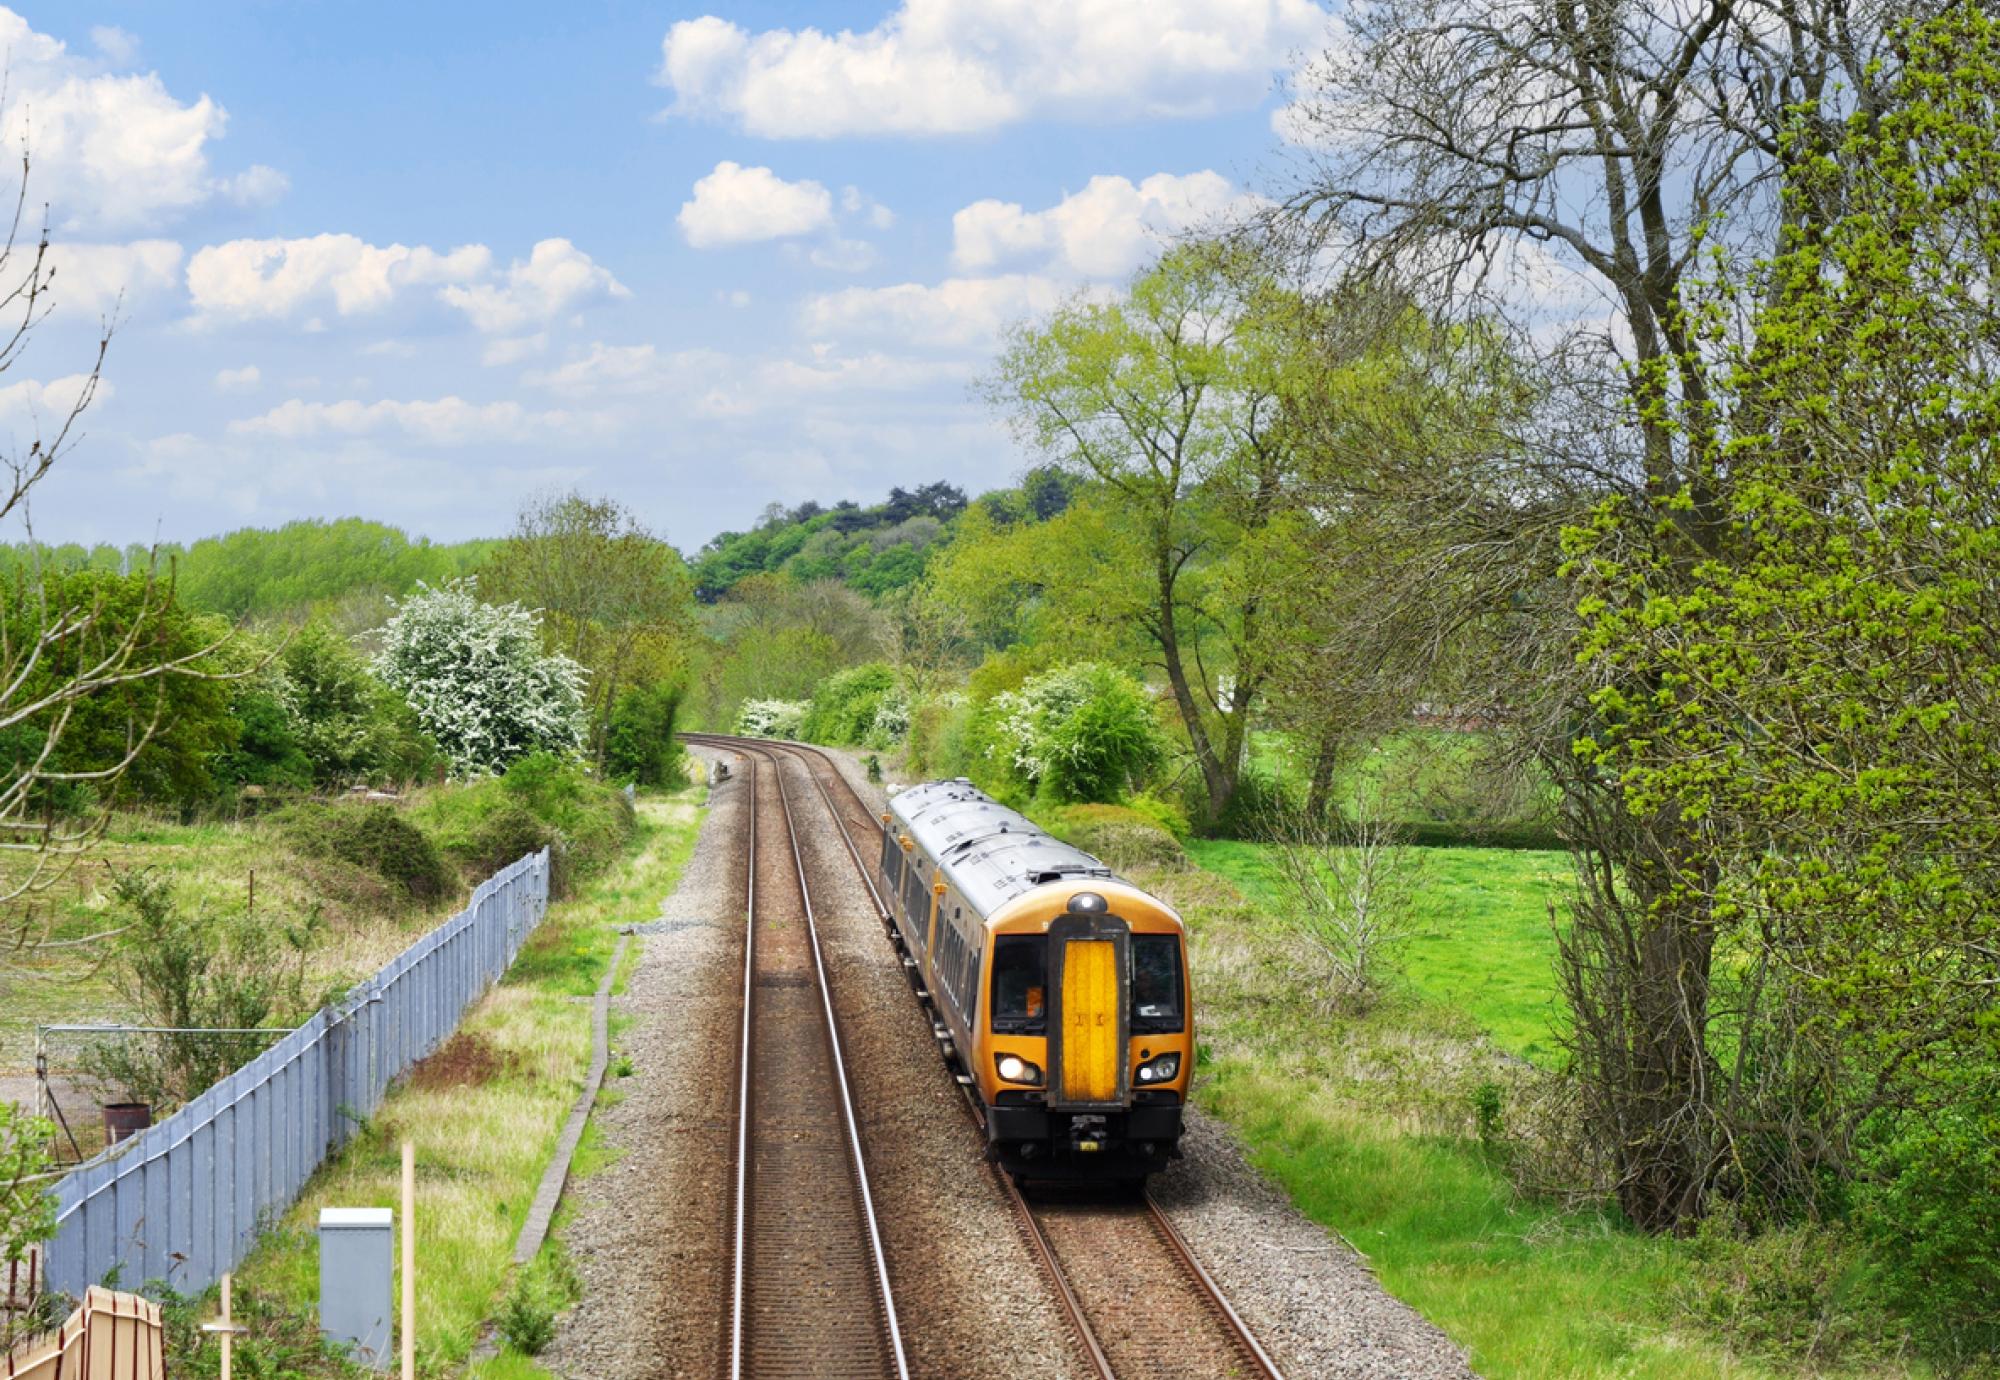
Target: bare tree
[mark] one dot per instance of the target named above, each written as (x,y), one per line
(1350,885)
(58,650)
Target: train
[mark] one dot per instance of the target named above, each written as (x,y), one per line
(1059,993)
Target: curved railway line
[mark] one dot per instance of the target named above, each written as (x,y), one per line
(1137,1298)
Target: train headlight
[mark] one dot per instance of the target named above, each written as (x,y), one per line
(1014,1069)
(1160,1070)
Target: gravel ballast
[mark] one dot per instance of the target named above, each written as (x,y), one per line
(649,1232)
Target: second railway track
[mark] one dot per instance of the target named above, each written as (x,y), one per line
(809,1288)
(1140,1302)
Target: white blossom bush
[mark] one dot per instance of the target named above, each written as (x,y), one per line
(771,718)
(477,679)
(1082,732)
(891,723)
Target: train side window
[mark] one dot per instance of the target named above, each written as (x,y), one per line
(892,859)
(1156,983)
(1020,984)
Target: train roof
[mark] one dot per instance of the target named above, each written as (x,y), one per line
(989,853)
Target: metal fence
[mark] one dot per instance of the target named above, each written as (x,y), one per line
(183,1200)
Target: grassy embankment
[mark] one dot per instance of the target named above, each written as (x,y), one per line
(1372,1122)
(484,1114)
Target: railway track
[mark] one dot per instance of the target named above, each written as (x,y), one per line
(806,1248)
(1138,1299)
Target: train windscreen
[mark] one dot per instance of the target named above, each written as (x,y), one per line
(1020,1000)
(1156,983)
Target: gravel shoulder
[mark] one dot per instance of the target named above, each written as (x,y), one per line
(648,1233)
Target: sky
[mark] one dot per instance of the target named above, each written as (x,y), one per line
(415,262)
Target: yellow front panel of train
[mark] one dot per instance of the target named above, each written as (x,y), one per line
(1090,1056)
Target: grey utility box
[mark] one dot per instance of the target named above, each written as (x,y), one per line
(357,1263)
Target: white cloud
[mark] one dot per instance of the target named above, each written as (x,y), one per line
(93,277)
(274,278)
(1106,230)
(256,185)
(609,370)
(448,421)
(739,205)
(238,380)
(957,311)
(38,403)
(114,44)
(953,66)
(556,277)
(109,151)
(856,202)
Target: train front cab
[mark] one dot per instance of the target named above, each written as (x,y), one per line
(1087,1036)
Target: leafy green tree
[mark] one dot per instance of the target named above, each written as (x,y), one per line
(640,746)
(1819,703)
(1079,733)
(1171,401)
(349,725)
(612,597)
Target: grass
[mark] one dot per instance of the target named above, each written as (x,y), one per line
(1370,1120)
(1483,947)
(482,1144)
(1528,1291)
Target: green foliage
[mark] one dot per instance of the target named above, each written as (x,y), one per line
(846,705)
(378,837)
(875,550)
(1083,732)
(194,973)
(27,1211)
(543,801)
(528,1314)
(267,752)
(640,745)
(257,573)
(188,715)
(281,1341)
(1929,1205)
(348,724)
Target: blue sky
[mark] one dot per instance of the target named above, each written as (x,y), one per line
(415,261)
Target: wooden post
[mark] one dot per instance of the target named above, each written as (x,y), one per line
(409,1260)
(253,891)
(224,1328)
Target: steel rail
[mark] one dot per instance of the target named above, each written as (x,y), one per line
(1036,1236)
(892,1326)
(740,1263)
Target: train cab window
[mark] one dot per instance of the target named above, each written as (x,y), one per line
(1020,984)
(1156,983)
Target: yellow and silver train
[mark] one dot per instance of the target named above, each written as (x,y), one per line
(1058,992)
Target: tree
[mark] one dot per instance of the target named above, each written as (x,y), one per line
(477,678)
(1170,400)
(1474,149)
(1822,707)
(349,725)
(61,649)
(613,598)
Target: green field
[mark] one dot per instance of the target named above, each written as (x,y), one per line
(1484,945)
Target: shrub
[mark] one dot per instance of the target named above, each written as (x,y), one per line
(1129,847)
(477,679)
(639,745)
(1931,1210)
(1084,732)
(770,718)
(528,1315)
(377,837)
(350,726)
(844,707)
(543,801)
